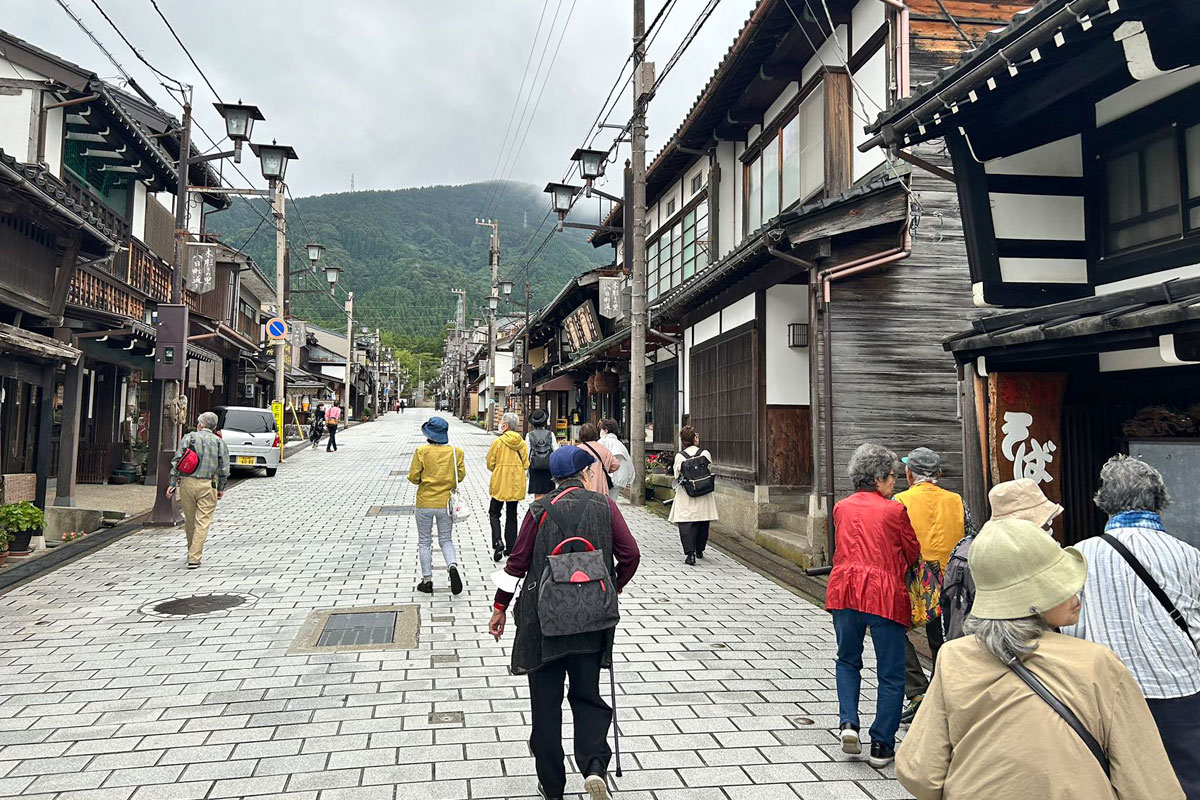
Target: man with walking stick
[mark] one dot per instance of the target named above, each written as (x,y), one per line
(572,548)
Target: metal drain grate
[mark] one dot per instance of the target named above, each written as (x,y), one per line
(446,718)
(358,629)
(203,604)
(390,511)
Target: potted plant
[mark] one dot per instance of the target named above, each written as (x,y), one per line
(21,522)
(4,537)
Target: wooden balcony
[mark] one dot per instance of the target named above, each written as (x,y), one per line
(103,212)
(92,291)
(147,273)
(248,326)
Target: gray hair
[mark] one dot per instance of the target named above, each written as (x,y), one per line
(1129,484)
(1007,639)
(510,419)
(209,420)
(871,463)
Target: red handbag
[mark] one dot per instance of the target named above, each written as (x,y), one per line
(188,461)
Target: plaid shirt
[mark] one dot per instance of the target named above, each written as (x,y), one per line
(214,458)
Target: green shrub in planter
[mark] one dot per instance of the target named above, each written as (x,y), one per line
(21,522)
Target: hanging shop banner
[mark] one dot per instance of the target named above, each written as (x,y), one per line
(1025,428)
(582,326)
(202,267)
(610,297)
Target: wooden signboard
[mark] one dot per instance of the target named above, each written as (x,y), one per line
(1025,428)
(582,326)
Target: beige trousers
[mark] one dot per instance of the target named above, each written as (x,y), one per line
(199,500)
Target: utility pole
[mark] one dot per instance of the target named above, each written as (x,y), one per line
(460,352)
(494,254)
(643,83)
(349,352)
(378,362)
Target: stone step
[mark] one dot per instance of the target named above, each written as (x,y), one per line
(794,521)
(792,546)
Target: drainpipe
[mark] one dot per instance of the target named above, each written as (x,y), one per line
(823,280)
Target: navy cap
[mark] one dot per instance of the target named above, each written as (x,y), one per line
(569,460)
(436,430)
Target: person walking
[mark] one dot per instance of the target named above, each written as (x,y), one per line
(508,460)
(570,511)
(437,469)
(200,487)
(940,519)
(609,438)
(874,547)
(332,417)
(1018,499)
(693,515)
(984,731)
(1134,557)
(317,426)
(541,444)
(600,476)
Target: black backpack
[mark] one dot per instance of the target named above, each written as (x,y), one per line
(541,445)
(958,590)
(695,476)
(577,593)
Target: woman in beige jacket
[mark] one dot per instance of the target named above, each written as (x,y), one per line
(693,515)
(983,733)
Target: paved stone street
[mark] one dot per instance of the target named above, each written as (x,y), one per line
(725,678)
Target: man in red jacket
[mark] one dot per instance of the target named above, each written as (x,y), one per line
(875,545)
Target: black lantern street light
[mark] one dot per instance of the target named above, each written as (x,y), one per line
(332,271)
(562,197)
(239,123)
(274,159)
(591,166)
(314,254)
(506,288)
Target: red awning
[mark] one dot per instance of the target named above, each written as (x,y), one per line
(563,383)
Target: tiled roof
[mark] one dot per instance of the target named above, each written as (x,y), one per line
(51,188)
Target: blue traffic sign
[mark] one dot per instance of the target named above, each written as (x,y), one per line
(277,328)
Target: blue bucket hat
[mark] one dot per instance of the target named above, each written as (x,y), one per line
(569,460)
(436,430)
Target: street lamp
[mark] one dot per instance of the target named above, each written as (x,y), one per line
(591,165)
(274,158)
(331,274)
(476,322)
(506,287)
(239,122)
(562,196)
(314,254)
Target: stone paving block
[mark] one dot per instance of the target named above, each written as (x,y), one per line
(247,787)
(327,779)
(831,790)
(197,790)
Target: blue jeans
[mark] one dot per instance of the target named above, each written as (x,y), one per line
(851,627)
(445,525)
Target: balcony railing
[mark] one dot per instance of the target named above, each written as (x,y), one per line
(103,212)
(147,273)
(90,291)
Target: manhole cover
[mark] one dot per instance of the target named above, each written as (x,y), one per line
(446,718)
(344,630)
(390,511)
(797,721)
(357,629)
(195,606)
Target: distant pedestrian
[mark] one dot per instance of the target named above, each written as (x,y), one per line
(609,437)
(317,426)
(940,519)
(570,511)
(874,547)
(693,515)
(332,417)
(507,459)
(200,487)
(1019,499)
(600,476)
(984,731)
(1159,645)
(541,443)
(437,469)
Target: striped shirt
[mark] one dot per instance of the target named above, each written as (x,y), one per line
(214,459)
(1120,613)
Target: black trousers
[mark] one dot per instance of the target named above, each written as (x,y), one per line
(915,682)
(693,536)
(332,444)
(591,715)
(510,524)
(1178,721)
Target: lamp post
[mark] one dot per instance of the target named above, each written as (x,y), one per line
(562,197)
(493,302)
(274,159)
(314,254)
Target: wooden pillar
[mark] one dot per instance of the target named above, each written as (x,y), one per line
(45,427)
(155,433)
(68,447)
(975,457)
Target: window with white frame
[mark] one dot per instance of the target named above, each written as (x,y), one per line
(788,164)
(678,250)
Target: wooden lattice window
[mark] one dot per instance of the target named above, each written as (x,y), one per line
(723,398)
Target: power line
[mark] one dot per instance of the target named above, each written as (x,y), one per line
(111,58)
(171,28)
(162,75)
(970,42)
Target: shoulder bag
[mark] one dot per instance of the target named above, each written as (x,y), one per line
(1067,714)
(458,512)
(189,462)
(600,463)
(1151,584)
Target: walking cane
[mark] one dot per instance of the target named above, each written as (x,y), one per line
(612,682)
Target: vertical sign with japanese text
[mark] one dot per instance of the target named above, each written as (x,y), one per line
(202,267)
(1025,428)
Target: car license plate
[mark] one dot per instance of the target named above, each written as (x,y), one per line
(246,460)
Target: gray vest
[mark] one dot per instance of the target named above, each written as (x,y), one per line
(531,649)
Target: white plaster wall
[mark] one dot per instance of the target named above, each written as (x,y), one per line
(699,168)
(138,223)
(1043,270)
(781,102)
(866,18)
(686,403)
(827,53)
(705,329)
(54,140)
(737,313)
(1032,216)
(1063,158)
(15,120)
(787,367)
(870,97)
(1152,279)
(1143,93)
(738,196)
(755,130)
(726,224)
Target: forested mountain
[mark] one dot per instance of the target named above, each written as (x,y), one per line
(402,251)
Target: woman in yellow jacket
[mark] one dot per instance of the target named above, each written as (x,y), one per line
(508,460)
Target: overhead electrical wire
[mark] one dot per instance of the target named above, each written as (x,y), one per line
(187,52)
(162,76)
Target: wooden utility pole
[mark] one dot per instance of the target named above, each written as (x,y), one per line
(643,83)
(281,244)
(349,355)
(494,256)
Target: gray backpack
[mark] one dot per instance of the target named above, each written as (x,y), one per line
(958,590)
(577,593)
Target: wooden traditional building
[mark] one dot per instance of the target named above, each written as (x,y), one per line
(1075,141)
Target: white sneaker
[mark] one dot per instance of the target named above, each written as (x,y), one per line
(596,788)
(851,744)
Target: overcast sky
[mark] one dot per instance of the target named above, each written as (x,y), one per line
(396,92)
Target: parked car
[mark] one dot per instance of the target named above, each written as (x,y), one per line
(251,437)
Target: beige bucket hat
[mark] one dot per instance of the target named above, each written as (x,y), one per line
(1019,571)
(1022,499)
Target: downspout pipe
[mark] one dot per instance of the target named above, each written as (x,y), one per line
(823,280)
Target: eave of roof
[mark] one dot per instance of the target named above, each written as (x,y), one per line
(39,184)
